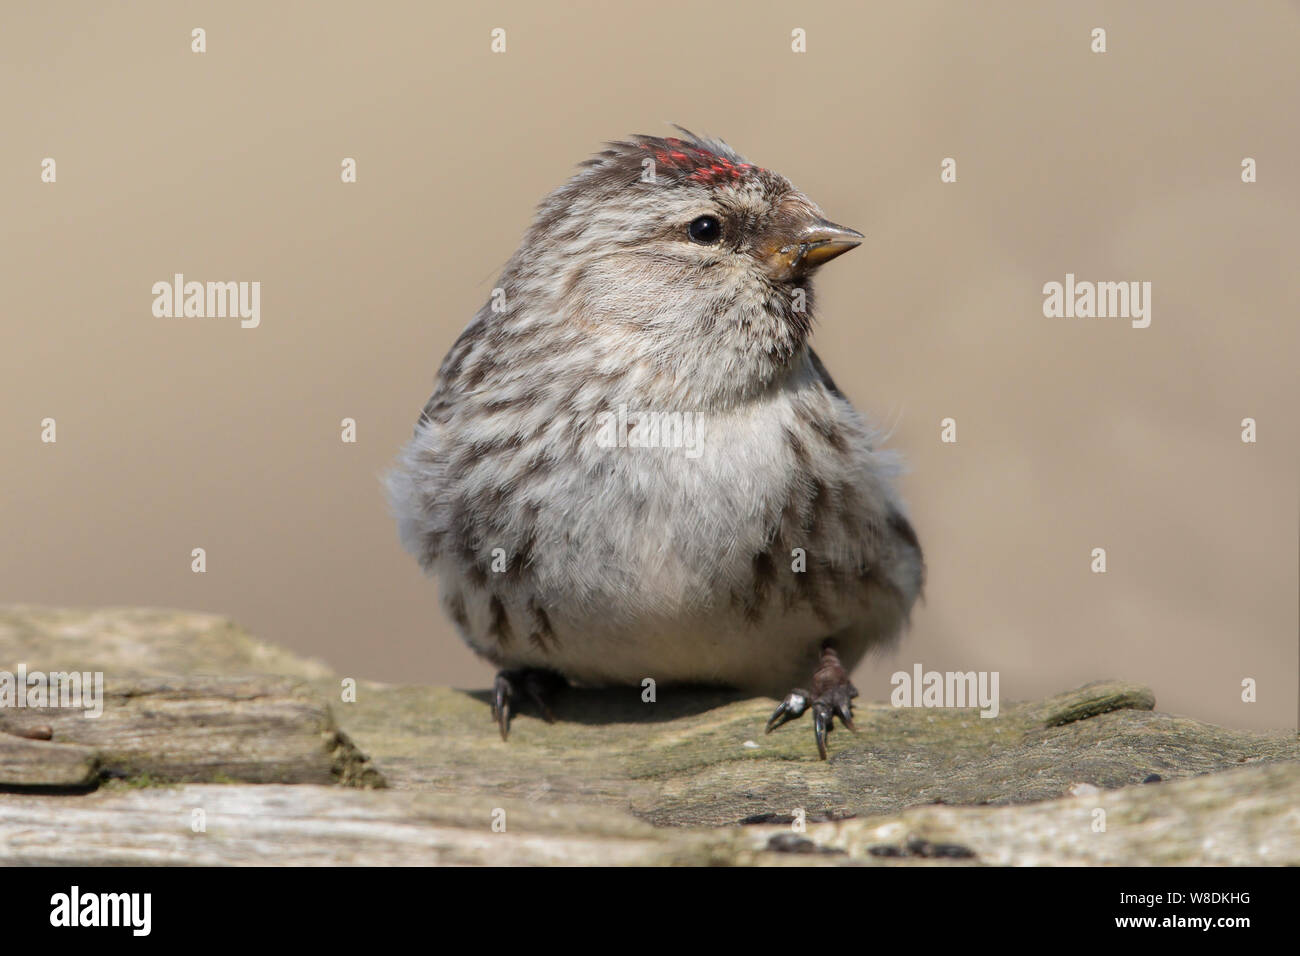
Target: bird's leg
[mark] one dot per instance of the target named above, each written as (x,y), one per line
(535,684)
(832,696)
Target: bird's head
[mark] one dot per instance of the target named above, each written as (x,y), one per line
(684,255)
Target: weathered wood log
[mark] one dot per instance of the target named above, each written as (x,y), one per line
(690,778)
(701,758)
(1239,817)
(256,721)
(175,730)
(26,763)
(178,730)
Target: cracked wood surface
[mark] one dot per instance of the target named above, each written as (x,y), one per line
(195,709)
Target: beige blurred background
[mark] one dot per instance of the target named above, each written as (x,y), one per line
(1072,433)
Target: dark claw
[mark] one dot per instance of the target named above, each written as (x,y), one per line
(843,709)
(822,726)
(795,703)
(832,697)
(538,685)
(502,692)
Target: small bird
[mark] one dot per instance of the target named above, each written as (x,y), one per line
(634,466)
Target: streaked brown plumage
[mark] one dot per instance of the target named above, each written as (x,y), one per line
(668,276)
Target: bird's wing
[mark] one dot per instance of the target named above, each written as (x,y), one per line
(824,375)
(897,521)
(447,386)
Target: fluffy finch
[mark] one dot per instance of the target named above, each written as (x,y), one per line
(634,465)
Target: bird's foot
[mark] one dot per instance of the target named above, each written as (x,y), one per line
(832,696)
(536,685)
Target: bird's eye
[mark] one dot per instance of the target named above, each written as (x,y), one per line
(705,229)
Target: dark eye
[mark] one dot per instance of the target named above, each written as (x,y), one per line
(706,230)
